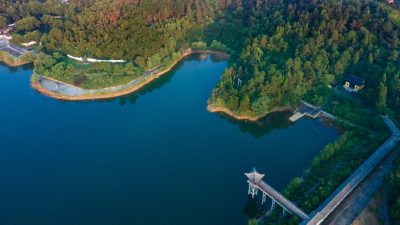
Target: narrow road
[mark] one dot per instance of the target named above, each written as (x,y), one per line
(356,201)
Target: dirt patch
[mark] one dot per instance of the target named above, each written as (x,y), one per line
(366,217)
(348,209)
(79,79)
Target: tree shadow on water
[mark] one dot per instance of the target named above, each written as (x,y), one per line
(265,125)
(251,209)
(131,98)
(15,69)
(217,58)
(155,84)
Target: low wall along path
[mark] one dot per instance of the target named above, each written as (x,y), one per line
(70,90)
(53,87)
(97,60)
(318,215)
(322,212)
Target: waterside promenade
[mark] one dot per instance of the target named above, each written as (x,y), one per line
(70,90)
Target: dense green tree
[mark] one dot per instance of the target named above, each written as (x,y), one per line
(28,23)
(57,55)
(244,104)
(49,61)
(381,102)
(140,62)
(260,106)
(27,57)
(395,210)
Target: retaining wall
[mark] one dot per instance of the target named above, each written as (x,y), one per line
(353,180)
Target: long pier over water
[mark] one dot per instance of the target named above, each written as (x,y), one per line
(318,215)
(255,183)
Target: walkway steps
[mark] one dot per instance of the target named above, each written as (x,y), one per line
(296,116)
(305,110)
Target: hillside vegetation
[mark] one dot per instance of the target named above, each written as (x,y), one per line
(282,51)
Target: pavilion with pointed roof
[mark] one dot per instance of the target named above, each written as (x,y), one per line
(255,183)
(254,175)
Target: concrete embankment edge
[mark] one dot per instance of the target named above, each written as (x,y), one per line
(230,113)
(14,64)
(97,93)
(354,179)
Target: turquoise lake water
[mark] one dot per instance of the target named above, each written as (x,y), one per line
(156,156)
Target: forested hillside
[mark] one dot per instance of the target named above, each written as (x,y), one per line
(127,29)
(294,48)
(124,29)
(283,51)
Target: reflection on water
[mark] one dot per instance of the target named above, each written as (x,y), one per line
(274,120)
(251,209)
(264,125)
(95,158)
(156,84)
(15,69)
(217,58)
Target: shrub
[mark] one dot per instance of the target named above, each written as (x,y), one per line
(199,45)
(252,222)
(372,208)
(2,54)
(10,59)
(27,57)
(35,78)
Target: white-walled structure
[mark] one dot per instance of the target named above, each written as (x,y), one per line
(97,60)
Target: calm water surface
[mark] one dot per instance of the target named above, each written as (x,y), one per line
(153,157)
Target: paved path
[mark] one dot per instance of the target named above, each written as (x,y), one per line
(385,202)
(67,89)
(352,206)
(322,212)
(17,49)
(395,131)
(279,198)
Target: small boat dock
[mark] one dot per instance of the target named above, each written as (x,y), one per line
(311,111)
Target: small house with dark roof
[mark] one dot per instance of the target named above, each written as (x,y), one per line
(354,83)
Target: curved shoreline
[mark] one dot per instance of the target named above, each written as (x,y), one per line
(14,64)
(230,113)
(129,90)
